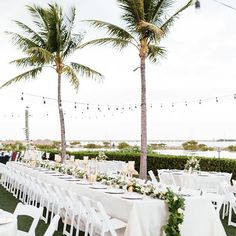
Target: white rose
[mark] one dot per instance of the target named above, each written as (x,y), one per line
(175,198)
(164,191)
(180,211)
(156,192)
(142,190)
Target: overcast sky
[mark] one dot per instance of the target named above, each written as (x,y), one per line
(199,65)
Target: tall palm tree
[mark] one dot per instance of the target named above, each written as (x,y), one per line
(147,23)
(48,45)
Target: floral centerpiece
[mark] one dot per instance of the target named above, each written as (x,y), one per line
(176,205)
(192,164)
(101,156)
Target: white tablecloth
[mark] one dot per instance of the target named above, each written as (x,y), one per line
(8,229)
(195,180)
(144,217)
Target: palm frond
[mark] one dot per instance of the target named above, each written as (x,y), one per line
(31,74)
(35,37)
(115,42)
(40,18)
(71,75)
(71,18)
(133,12)
(154,52)
(72,44)
(86,71)
(160,9)
(41,54)
(26,62)
(22,42)
(112,30)
(148,9)
(168,23)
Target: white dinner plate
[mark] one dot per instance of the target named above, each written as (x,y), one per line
(84,182)
(49,172)
(98,186)
(5,220)
(73,180)
(132,196)
(115,191)
(41,169)
(65,177)
(57,175)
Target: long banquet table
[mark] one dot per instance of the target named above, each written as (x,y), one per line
(196,180)
(144,217)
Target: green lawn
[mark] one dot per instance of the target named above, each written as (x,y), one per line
(8,203)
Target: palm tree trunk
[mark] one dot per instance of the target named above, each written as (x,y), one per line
(62,122)
(143,158)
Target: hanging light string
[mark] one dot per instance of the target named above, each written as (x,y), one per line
(225,5)
(198,4)
(97,111)
(122,107)
(200,101)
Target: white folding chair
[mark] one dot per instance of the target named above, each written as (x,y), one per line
(232,209)
(28,210)
(99,223)
(53,226)
(216,199)
(153,177)
(167,178)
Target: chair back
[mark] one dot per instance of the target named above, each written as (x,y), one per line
(32,211)
(53,226)
(153,177)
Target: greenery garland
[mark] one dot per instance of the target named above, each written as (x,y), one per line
(176,203)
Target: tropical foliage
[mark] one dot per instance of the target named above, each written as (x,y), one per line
(193,145)
(147,22)
(49,44)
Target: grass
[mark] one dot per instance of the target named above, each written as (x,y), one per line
(8,203)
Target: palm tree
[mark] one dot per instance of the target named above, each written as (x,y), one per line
(147,23)
(48,45)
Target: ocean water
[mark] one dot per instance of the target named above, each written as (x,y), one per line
(213,154)
(169,143)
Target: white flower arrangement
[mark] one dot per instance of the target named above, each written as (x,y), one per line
(192,164)
(101,156)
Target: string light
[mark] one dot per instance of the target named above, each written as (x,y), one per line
(117,108)
(197,4)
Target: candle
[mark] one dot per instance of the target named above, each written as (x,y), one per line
(131,165)
(86,159)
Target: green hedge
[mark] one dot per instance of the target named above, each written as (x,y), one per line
(158,161)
